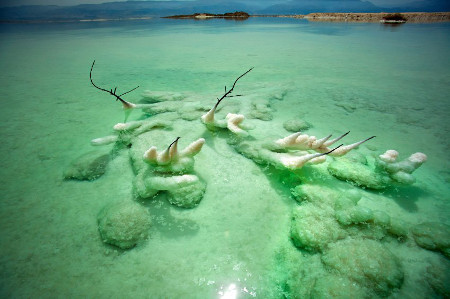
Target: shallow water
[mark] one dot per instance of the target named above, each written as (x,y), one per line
(392,82)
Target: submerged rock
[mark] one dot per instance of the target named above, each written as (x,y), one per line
(438,278)
(357,173)
(89,166)
(124,224)
(433,236)
(367,262)
(334,286)
(313,228)
(188,196)
(296,125)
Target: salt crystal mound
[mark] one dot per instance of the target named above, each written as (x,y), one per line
(381,173)
(296,150)
(124,224)
(325,216)
(433,236)
(366,262)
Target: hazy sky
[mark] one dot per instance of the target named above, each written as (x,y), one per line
(384,3)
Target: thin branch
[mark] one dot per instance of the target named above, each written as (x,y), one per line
(111,92)
(227,93)
(332,150)
(173,143)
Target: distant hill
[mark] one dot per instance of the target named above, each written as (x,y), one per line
(137,9)
(310,6)
(116,10)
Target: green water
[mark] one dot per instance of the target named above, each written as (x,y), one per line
(392,82)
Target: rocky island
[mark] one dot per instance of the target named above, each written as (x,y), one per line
(240,15)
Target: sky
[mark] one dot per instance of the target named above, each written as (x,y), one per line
(383,3)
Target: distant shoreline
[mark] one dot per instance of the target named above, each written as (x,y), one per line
(411,17)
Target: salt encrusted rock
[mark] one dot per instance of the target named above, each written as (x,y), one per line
(313,228)
(150,97)
(357,173)
(260,109)
(89,166)
(187,196)
(433,236)
(124,224)
(385,170)
(171,160)
(185,191)
(398,227)
(296,125)
(438,277)
(316,194)
(125,133)
(400,171)
(366,262)
(348,212)
(335,287)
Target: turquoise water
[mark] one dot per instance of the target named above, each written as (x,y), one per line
(392,82)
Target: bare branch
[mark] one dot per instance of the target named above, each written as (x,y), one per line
(227,93)
(111,92)
(173,143)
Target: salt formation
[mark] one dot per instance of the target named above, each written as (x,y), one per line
(383,172)
(124,224)
(367,263)
(294,151)
(170,160)
(126,132)
(313,228)
(169,170)
(232,122)
(400,172)
(433,236)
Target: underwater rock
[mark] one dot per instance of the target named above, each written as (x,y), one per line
(185,191)
(171,160)
(313,228)
(355,214)
(126,133)
(398,227)
(187,196)
(316,194)
(357,173)
(150,97)
(400,171)
(161,107)
(433,236)
(124,224)
(260,109)
(334,286)
(89,166)
(385,170)
(296,125)
(438,278)
(366,262)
